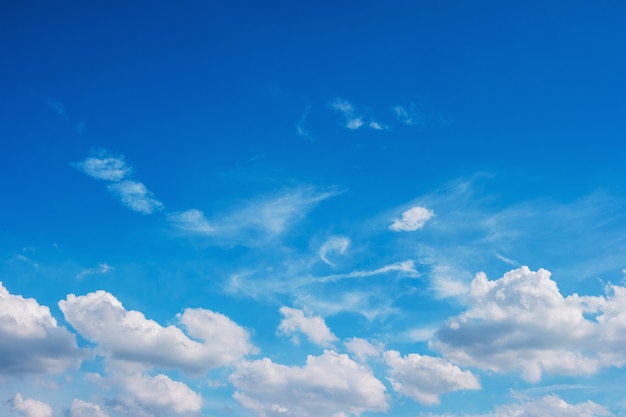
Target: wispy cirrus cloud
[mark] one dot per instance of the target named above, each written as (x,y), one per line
(405,268)
(408,116)
(103,268)
(352,119)
(301,129)
(249,223)
(333,246)
(114,169)
(136,196)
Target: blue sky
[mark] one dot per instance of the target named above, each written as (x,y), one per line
(312,209)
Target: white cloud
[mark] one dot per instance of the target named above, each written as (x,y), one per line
(406,268)
(336,245)
(135,196)
(550,405)
(553,406)
(412,219)
(105,166)
(103,268)
(313,327)
(192,221)
(80,408)
(353,121)
(522,322)
(377,126)
(129,336)
(264,217)
(363,349)
(30,339)
(157,396)
(425,378)
(301,130)
(408,117)
(328,385)
(29,407)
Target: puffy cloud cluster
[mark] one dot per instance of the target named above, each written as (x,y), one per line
(129,336)
(330,385)
(80,408)
(425,378)
(30,339)
(522,322)
(313,327)
(29,407)
(412,219)
(155,396)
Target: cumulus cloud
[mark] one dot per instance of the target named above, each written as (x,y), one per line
(413,219)
(336,245)
(362,348)
(328,385)
(550,405)
(129,336)
(155,396)
(522,322)
(135,196)
(105,166)
(313,327)
(353,121)
(425,378)
(30,339)
(29,407)
(80,408)
(192,221)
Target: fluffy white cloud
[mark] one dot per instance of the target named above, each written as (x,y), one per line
(522,322)
(336,245)
(425,378)
(129,336)
(413,219)
(363,349)
(313,327)
(135,196)
(328,385)
(80,408)
(550,405)
(157,396)
(29,407)
(105,166)
(30,339)
(192,221)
